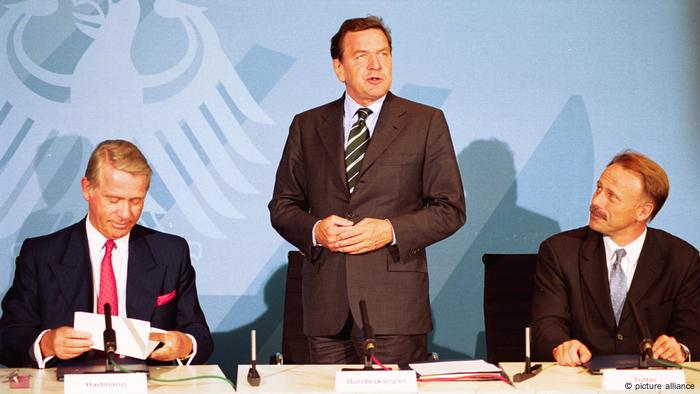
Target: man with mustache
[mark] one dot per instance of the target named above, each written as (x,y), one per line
(106,258)
(364,185)
(586,278)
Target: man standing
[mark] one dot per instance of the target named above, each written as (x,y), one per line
(586,278)
(104,258)
(364,185)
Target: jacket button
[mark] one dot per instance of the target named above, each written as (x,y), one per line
(350,215)
(620,337)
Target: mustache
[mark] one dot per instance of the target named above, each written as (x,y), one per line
(596,211)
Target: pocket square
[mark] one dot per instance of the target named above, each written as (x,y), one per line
(165,298)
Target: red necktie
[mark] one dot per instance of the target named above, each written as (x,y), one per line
(108,284)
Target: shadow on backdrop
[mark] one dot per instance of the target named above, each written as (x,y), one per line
(57,164)
(233,347)
(495,224)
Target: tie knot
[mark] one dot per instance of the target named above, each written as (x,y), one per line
(363,113)
(619,254)
(109,245)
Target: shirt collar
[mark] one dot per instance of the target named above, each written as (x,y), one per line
(97,240)
(351,106)
(633,250)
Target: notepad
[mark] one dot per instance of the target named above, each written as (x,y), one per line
(454,367)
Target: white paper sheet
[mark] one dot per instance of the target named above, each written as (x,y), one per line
(131,334)
(453,367)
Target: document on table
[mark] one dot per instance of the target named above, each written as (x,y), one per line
(131,334)
(454,367)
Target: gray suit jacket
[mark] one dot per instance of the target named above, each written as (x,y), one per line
(572,294)
(409,175)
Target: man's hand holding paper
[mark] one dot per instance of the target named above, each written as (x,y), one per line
(132,334)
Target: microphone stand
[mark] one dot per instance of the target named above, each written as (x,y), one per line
(253,375)
(110,339)
(369,345)
(530,370)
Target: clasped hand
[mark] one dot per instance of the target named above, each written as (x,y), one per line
(338,234)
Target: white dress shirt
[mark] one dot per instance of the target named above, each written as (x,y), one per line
(350,116)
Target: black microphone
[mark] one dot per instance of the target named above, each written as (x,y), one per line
(109,337)
(645,346)
(369,343)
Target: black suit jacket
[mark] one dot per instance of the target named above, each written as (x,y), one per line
(53,280)
(572,294)
(409,175)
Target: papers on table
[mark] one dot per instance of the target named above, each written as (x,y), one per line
(132,334)
(454,367)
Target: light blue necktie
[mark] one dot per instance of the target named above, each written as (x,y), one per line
(618,285)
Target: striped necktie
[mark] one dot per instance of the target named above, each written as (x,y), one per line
(618,285)
(358,139)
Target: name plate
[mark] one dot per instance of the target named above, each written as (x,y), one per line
(376,381)
(105,383)
(645,379)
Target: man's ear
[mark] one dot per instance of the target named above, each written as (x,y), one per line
(85,188)
(645,211)
(339,70)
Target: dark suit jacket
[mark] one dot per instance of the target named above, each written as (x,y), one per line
(53,279)
(572,294)
(409,175)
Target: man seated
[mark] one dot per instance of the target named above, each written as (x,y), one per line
(586,278)
(104,258)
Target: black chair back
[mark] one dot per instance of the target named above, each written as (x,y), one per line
(508,287)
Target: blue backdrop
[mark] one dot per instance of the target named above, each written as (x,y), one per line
(539,96)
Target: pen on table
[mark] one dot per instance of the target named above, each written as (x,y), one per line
(506,377)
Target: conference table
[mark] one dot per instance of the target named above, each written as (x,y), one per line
(44,380)
(321,379)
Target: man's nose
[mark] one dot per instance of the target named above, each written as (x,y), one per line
(374,63)
(123,210)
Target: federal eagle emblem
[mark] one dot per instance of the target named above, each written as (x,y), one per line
(186,118)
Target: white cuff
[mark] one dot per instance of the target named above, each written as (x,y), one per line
(190,357)
(393,233)
(313,234)
(687,352)
(40,361)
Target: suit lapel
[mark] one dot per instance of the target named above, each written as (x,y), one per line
(331,134)
(650,263)
(144,277)
(386,129)
(74,272)
(594,273)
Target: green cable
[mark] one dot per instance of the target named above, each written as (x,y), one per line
(674,365)
(122,369)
